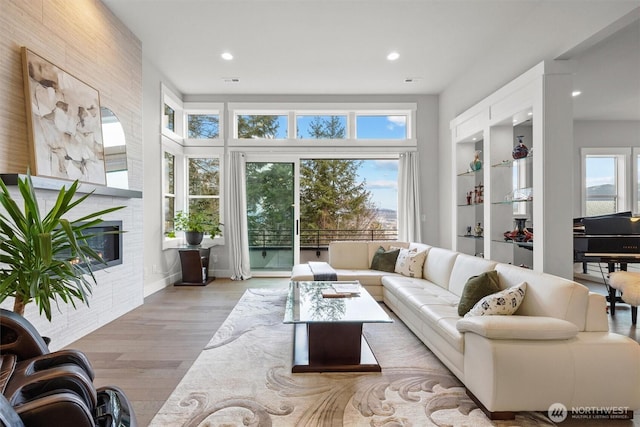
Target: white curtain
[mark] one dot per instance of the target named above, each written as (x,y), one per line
(236,226)
(409,229)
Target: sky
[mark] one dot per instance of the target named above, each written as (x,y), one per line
(382,181)
(600,170)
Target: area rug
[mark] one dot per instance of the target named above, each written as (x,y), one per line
(243,378)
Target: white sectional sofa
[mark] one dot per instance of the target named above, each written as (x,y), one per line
(556,348)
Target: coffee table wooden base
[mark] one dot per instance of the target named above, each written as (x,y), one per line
(332,347)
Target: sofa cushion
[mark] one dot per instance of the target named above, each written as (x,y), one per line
(443,319)
(365,277)
(352,255)
(374,245)
(438,266)
(505,302)
(410,263)
(466,266)
(385,260)
(418,292)
(476,288)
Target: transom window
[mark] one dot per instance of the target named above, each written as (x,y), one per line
(343,123)
(203,125)
(381,127)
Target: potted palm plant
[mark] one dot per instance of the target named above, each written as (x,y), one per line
(195,224)
(45,258)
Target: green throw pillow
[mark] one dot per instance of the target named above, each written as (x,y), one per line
(476,288)
(385,260)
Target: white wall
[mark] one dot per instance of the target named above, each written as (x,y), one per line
(599,133)
(161,268)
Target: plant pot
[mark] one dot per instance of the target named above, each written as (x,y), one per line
(193,238)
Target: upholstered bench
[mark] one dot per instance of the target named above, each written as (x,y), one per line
(628,283)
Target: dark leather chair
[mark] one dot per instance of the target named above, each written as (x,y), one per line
(53,389)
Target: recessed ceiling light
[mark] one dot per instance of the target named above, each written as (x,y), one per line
(393,56)
(575,93)
(227,56)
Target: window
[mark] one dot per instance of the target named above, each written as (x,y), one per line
(169,197)
(169,121)
(321,127)
(203,183)
(267,126)
(291,124)
(605,181)
(203,126)
(381,126)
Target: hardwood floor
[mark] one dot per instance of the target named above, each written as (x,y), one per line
(147,351)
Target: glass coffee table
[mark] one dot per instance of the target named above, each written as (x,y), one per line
(328,330)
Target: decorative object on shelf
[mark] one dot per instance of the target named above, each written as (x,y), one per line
(195,225)
(46,257)
(478,230)
(519,195)
(476,164)
(468,231)
(63,115)
(478,192)
(518,233)
(520,151)
(469,194)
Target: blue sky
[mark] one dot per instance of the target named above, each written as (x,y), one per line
(382,181)
(600,170)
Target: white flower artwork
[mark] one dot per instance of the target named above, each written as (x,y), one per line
(64,118)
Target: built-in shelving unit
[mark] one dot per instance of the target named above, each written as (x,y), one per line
(535,189)
(470,197)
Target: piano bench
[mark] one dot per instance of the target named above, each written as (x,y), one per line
(628,283)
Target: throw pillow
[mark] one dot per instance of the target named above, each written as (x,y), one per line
(505,302)
(410,262)
(476,288)
(385,260)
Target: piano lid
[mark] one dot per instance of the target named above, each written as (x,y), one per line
(620,223)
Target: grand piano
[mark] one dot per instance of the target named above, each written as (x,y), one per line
(611,239)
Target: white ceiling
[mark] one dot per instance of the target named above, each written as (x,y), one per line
(340,46)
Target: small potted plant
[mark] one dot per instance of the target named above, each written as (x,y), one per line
(195,225)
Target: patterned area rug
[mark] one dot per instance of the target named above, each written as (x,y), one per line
(243,378)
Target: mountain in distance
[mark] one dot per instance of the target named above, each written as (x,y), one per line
(601,190)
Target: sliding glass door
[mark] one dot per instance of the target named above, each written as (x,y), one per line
(271,215)
(297,205)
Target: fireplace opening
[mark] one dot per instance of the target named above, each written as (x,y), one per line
(109,246)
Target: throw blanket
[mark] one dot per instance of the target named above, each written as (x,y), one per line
(322,271)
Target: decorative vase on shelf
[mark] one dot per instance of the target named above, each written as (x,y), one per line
(520,151)
(478,230)
(476,164)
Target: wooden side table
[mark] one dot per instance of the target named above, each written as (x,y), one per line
(194,261)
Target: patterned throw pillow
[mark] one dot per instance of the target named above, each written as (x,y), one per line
(385,260)
(410,262)
(505,302)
